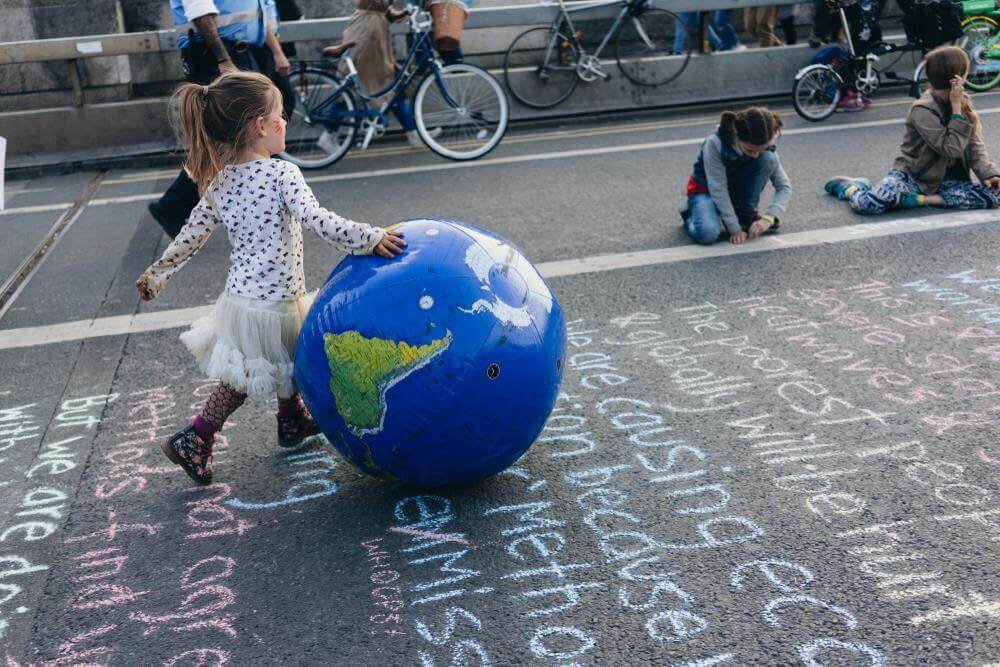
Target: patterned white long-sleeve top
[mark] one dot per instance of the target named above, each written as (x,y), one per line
(263,205)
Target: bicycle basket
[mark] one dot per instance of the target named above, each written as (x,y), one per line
(930,25)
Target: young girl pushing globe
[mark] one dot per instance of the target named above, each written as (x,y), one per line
(231,128)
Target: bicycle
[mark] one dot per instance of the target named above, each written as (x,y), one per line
(461,111)
(981,40)
(819,88)
(543,66)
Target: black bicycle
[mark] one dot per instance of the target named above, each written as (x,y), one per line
(544,65)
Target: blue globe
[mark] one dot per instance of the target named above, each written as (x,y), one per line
(437,368)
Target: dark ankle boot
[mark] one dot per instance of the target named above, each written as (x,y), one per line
(293,429)
(190,452)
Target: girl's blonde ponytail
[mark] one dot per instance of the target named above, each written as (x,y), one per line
(203,160)
(217,120)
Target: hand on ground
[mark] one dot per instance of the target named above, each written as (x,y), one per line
(738,237)
(758,227)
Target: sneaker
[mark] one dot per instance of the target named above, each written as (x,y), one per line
(170,226)
(414,140)
(190,452)
(293,429)
(328,142)
(838,186)
(851,102)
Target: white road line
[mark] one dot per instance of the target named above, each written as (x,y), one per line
(492,162)
(172,319)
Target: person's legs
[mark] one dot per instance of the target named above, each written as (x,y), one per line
(295,424)
(192,448)
(702,223)
(750,21)
(766,16)
(175,205)
(968,196)
(822,24)
(688,24)
(788,29)
(728,37)
(888,193)
(747,181)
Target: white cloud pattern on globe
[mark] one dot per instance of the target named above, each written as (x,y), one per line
(485,253)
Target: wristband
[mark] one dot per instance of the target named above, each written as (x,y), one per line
(770,218)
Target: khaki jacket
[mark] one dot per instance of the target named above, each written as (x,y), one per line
(933,141)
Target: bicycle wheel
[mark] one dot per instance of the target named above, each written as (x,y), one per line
(461,111)
(540,68)
(644,48)
(816,93)
(980,33)
(322,127)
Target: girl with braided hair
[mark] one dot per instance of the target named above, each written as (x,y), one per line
(733,167)
(942,144)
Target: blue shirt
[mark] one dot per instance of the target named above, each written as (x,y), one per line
(248,27)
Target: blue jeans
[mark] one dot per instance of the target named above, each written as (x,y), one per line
(728,37)
(746,183)
(721,34)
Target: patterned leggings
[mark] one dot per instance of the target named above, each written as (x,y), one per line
(963,195)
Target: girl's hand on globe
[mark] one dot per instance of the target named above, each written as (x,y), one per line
(392,244)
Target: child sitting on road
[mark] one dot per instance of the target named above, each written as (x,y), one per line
(734,165)
(941,144)
(231,129)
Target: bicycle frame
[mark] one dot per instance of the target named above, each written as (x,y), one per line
(419,59)
(564,17)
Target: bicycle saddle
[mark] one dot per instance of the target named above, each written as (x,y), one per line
(337,51)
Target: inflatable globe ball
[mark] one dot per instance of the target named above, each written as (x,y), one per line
(436,368)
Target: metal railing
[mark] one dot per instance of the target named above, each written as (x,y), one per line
(75,49)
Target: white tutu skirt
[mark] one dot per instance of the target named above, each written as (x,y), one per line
(249,344)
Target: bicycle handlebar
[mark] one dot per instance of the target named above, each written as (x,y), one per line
(420,18)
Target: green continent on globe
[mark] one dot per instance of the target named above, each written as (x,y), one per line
(363,369)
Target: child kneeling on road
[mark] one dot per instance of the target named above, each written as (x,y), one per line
(734,165)
(941,144)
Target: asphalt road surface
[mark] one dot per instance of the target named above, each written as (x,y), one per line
(778,454)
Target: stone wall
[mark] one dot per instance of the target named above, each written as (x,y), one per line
(47,85)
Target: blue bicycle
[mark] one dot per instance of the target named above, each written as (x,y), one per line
(460,110)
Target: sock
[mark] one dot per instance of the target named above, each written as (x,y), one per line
(289,407)
(222,402)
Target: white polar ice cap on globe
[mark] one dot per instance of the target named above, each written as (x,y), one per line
(496,263)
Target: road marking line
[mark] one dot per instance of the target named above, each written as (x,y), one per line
(173,319)
(541,136)
(12,287)
(512,159)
